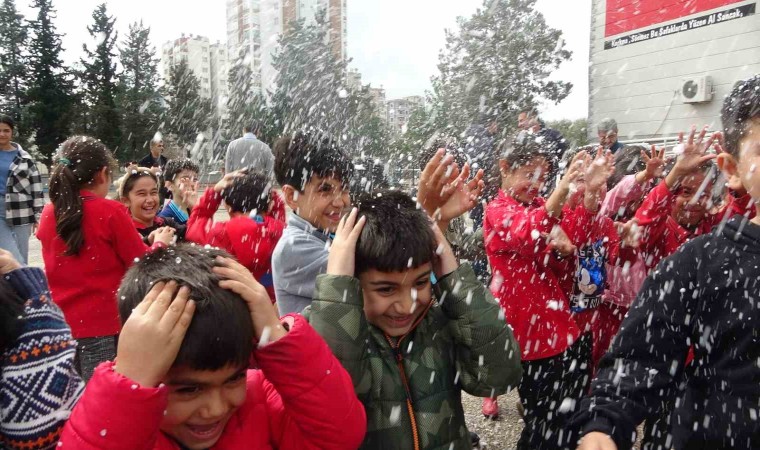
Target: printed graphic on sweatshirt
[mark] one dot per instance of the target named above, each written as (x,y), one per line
(590,277)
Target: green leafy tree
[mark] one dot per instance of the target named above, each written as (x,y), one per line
(312,94)
(189,113)
(574,131)
(13,64)
(139,97)
(49,94)
(246,104)
(497,63)
(100,79)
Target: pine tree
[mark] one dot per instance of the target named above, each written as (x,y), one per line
(13,69)
(246,104)
(140,99)
(99,76)
(189,113)
(48,117)
(498,63)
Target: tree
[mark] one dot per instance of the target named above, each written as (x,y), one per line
(496,64)
(312,94)
(139,97)
(188,113)
(13,69)
(49,96)
(574,131)
(99,77)
(246,104)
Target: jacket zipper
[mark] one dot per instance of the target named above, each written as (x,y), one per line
(409,407)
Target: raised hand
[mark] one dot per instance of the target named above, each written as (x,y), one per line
(236,278)
(463,197)
(630,233)
(693,155)
(7,262)
(151,337)
(434,188)
(575,169)
(599,170)
(164,235)
(342,258)
(228,178)
(655,163)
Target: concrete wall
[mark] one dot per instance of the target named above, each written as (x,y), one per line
(639,84)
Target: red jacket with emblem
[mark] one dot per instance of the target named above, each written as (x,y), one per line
(534,303)
(301,398)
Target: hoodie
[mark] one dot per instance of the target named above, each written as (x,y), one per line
(704,295)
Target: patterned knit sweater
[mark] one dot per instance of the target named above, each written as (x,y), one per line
(38,384)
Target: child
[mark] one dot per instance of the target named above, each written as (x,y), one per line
(410,346)
(181,378)
(555,360)
(583,274)
(181,177)
(314,176)
(35,344)
(703,296)
(88,242)
(676,210)
(138,191)
(257,220)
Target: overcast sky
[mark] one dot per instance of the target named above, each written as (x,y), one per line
(393,43)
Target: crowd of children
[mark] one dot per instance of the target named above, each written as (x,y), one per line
(626,294)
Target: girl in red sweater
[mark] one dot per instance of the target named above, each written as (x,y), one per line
(88,242)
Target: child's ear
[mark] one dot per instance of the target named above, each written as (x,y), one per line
(290,194)
(167,184)
(503,168)
(730,168)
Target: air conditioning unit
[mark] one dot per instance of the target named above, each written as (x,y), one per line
(697,89)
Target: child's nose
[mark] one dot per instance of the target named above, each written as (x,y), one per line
(216,406)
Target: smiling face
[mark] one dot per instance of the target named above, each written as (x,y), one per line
(607,138)
(524,183)
(6,135)
(201,402)
(690,206)
(142,200)
(321,202)
(393,301)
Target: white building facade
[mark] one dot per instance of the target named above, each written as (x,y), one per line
(659,66)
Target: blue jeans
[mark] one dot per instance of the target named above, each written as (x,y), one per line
(15,239)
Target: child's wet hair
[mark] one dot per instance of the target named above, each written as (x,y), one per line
(175,166)
(221,332)
(300,156)
(397,235)
(627,162)
(129,180)
(740,109)
(524,148)
(250,192)
(77,162)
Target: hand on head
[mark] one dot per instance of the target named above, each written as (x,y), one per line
(342,258)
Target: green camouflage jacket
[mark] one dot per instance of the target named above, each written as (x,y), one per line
(411,389)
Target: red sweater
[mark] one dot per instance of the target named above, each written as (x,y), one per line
(84,285)
(302,398)
(535,305)
(251,242)
(661,235)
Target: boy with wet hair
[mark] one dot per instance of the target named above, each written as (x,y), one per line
(410,344)
(701,296)
(181,179)
(193,319)
(314,175)
(257,220)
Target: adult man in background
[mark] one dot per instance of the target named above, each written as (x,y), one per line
(249,151)
(156,159)
(607,131)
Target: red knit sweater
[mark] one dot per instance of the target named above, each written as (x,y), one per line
(85,285)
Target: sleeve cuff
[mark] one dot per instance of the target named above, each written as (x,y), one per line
(28,281)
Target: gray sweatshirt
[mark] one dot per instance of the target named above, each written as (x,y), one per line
(300,255)
(248,152)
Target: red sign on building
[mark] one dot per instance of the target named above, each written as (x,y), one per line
(628,15)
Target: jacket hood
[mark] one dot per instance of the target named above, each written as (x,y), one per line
(743,232)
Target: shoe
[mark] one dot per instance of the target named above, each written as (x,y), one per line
(490,408)
(475,439)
